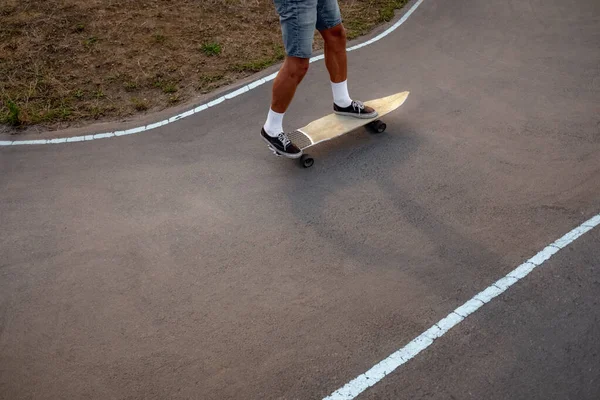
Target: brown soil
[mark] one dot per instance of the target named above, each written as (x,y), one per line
(67,62)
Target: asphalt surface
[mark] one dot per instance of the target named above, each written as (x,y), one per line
(539,340)
(189,262)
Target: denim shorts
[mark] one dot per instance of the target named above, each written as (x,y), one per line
(300,18)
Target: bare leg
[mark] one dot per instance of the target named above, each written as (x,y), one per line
(289,77)
(336,61)
(335,53)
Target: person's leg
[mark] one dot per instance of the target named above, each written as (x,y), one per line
(298,22)
(336,62)
(331,28)
(336,59)
(286,82)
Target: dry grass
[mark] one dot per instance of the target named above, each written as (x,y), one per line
(64,62)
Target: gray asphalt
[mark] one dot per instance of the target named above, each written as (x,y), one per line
(188,262)
(537,341)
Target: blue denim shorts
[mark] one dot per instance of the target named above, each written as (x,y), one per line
(300,18)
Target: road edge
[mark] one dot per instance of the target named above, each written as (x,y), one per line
(217,98)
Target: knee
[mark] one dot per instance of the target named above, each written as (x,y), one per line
(336,38)
(297,67)
(338,32)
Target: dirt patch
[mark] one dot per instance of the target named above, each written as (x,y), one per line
(67,62)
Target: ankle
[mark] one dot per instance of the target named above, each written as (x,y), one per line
(274,123)
(341,97)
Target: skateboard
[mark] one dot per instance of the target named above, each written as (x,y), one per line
(333,125)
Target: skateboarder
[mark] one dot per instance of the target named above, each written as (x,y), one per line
(299,19)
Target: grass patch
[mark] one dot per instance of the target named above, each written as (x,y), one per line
(210,78)
(130,86)
(140,105)
(386,13)
(255,65)
(356,28)
(61,63)
(165,87)
(58,113)
(169,88)
(12,114)
(209,81)
(277,54)
(90,41)
(211,49)
(159,38)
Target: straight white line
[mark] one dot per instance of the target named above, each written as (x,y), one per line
(424,340)
(228,96)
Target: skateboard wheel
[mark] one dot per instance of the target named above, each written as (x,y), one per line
(378,126)
(307,161)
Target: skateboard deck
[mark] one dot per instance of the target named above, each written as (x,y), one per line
(333,125)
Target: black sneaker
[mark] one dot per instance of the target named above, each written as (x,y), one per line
(281,144)
(356,109)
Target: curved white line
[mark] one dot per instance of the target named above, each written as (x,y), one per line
(203,107)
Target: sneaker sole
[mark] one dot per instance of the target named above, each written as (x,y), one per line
(287,155)
(358,116)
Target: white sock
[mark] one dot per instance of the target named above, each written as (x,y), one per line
(340,94)
(274,124)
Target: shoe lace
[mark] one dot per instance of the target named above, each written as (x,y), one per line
(358,105)
(284,139)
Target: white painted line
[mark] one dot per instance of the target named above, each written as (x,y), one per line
(236,93)
(469,307)
(216,101)
(434,332)
(488,294)
(134,130)
(269,78)
(522,270)
(505,282)
(221,99)
(543,255)
(155,125)
(76,139)
(103,135)
(57,141)
(200,108)
(380,370)
(448,322)
(39,141)
(186,114)
(256,83)
(592,223)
